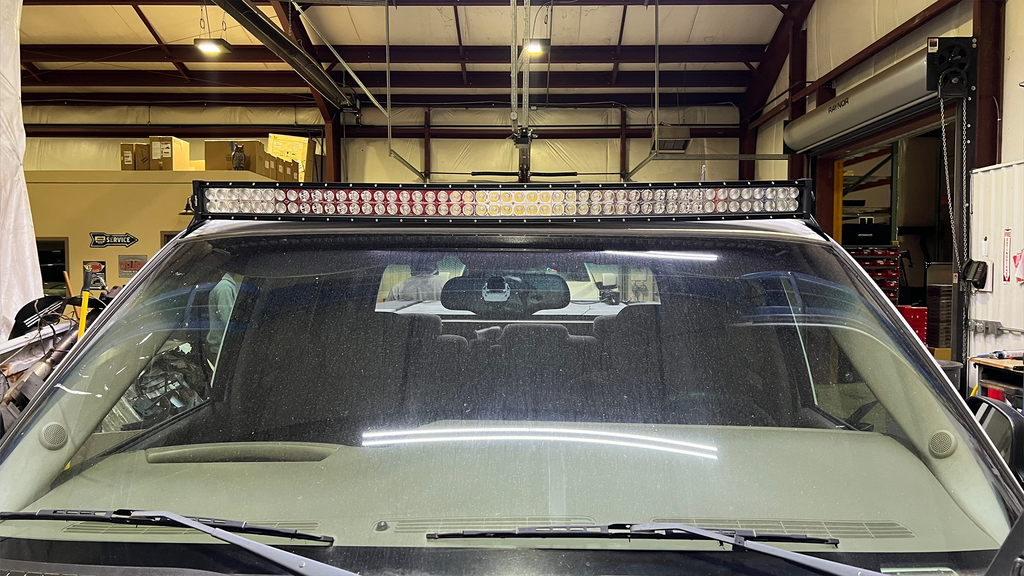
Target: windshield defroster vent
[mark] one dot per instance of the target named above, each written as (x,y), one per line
(421,525)
(848,529)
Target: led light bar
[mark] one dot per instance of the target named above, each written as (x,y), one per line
(503,202)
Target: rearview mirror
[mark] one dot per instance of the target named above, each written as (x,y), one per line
(1005,426)
(505,297)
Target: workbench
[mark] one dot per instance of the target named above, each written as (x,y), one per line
(1000,376)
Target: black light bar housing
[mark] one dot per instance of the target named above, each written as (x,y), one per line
(503,203)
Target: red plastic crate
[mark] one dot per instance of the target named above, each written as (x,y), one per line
(915,314)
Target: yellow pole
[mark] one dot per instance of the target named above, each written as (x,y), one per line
(85,311)
(85,302)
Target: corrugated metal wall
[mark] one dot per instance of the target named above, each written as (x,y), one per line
(998,204)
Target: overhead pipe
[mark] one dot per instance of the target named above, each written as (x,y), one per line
(527,38)
(256,23)
(657,97)
(387,75)
(341,60)
(514,67)
(387,63)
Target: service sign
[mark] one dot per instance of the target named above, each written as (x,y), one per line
(106,240)
(129,264)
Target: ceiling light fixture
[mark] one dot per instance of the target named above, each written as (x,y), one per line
(538,46)
(213,45)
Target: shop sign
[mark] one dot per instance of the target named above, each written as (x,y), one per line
(128,265)
(99,273)
(103,239)
(1007,254)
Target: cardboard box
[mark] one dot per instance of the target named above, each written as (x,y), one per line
(219,153)
(301,150)
(288,171)
(168,153)
(127,157)
(289,147)
(941,353)
(141,156)
(268,166)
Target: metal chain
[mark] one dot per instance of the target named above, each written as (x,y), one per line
(960,244)
(965,209)
(945,164)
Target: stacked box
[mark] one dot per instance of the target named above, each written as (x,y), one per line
(882,263)
(127,156)
(940,315)
(168,153)
(917,317)
(142,152)
(134,156)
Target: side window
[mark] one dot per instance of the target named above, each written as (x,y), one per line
(178,376)
(837,388)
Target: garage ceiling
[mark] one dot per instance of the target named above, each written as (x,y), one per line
(602,52)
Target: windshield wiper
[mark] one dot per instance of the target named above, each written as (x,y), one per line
(215,527)
(738,539)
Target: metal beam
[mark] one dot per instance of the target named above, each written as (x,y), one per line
(824,198)
(291,23)
(256,23)
(769,114)
(411,132)
(374,54)
(918,20)
(286,79)
(462,51)
(160,43)
(797,80)
(989,17)
(771,63)
(143,131)
(855,160)
(857,184)
(602,100)
(618,46)
(434,3)
(33,71)
(748,146)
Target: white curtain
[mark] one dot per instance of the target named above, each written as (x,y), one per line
(20,280)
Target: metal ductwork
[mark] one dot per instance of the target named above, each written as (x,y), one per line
(672,139)
(257,24)
(889,96)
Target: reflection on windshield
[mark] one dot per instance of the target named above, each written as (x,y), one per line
(497,434)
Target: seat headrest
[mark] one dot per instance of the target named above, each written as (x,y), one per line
(536,334)
(420,325)
(604,326)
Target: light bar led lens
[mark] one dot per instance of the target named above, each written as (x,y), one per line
(503,203)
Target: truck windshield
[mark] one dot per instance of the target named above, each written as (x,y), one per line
(380,394)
